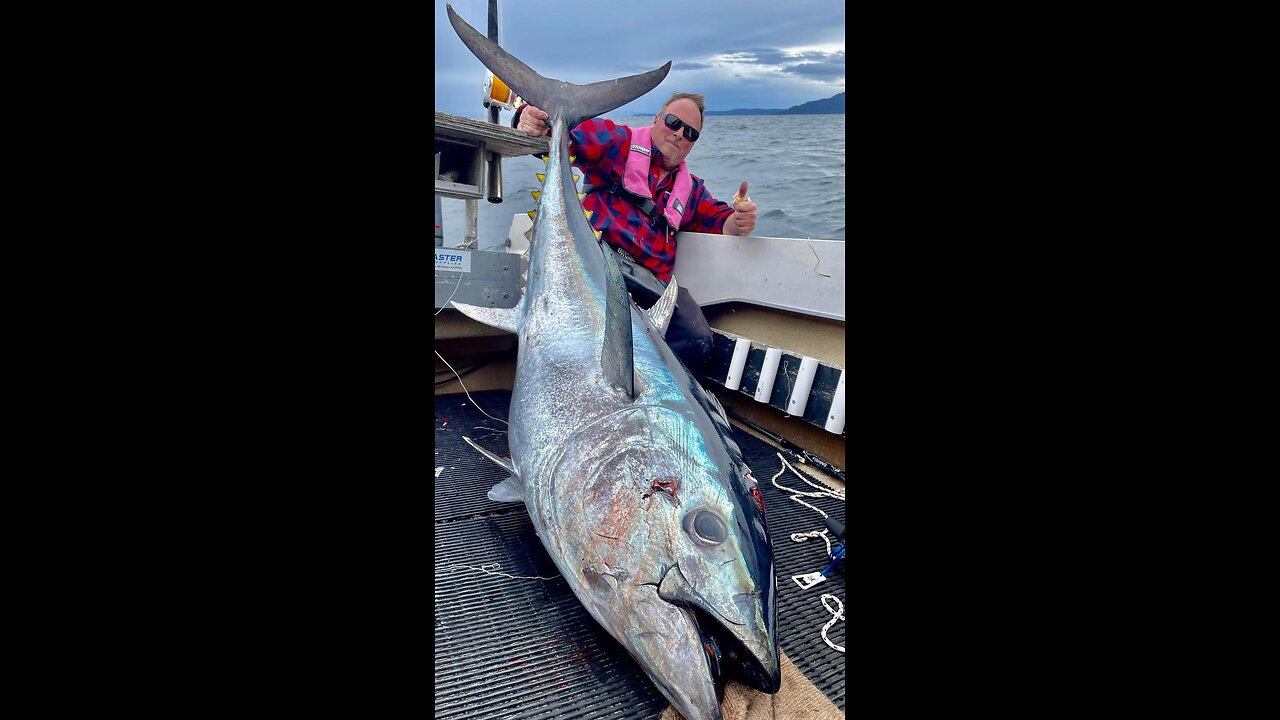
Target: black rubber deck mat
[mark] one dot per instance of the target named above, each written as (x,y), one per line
(527,649)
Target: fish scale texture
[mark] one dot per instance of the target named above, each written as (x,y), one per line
(527,649)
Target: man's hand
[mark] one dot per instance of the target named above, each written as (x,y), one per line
(533,122)
(743,219)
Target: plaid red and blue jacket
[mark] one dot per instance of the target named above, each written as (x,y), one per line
(600,149)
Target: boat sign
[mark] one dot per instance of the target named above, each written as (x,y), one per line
(451,259)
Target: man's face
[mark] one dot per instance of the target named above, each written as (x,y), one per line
(673,144)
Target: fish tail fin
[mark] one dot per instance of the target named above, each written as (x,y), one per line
(574,103)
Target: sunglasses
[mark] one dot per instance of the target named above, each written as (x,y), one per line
(676,123)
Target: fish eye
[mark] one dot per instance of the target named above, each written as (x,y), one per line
(706,527)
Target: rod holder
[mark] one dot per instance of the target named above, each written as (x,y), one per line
(494,184)
(768,375)
(741,347)
(835,417)
(804,383)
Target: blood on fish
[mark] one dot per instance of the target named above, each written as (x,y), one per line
(659,485)
(755,493)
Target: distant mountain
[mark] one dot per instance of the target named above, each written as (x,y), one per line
(833,105)
(746,111)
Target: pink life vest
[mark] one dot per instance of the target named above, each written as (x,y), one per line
(636,177)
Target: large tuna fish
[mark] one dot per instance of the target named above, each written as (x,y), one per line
(624,462)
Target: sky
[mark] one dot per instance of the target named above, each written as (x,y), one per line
(739,54)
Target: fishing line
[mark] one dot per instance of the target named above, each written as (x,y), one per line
(490,569)
(815,267)
(488,432)
(455,290)
(465,371)
(465,390)
(837,614)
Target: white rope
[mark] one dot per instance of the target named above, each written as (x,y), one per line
(808,581)
(465,390)
(821,490)
(801,537)
(837,614)
(489,568)
(797,494)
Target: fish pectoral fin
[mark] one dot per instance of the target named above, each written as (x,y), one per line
(509,490)
(502,318)
(504,462)
(660,312)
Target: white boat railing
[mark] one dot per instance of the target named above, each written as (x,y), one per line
(799,275)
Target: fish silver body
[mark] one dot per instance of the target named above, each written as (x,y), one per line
(626,465)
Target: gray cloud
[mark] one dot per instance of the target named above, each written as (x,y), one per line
(822,69)
(576,41)
(813,63)
(766,56)
(837,56)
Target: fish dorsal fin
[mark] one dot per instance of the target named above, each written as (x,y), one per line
(496,458)
(660,312)
(502,318)
(617,357)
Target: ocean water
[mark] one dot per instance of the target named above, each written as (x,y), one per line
(793,165)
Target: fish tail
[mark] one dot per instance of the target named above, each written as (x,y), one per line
(573,103)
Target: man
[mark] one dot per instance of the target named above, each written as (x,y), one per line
(641,193)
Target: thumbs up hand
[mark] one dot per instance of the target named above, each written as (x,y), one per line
(743,219)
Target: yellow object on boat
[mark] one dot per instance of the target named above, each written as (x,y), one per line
(496,93)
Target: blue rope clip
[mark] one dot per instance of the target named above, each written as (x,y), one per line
(836,556)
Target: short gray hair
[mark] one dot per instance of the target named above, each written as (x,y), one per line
(697,99)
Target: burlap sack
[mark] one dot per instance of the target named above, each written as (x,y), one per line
(797,699)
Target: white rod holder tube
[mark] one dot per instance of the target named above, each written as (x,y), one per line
(768,374)
(804,382)
(740,348)
(835,417)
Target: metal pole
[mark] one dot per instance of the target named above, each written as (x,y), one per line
(469,233)
(439,211)
(493,35)
(494,184)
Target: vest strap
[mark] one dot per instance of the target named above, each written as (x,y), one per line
(643,204)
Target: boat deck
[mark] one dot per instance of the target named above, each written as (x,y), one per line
(526,648)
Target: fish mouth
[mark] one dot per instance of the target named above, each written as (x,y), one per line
(748,648)
(665,640)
